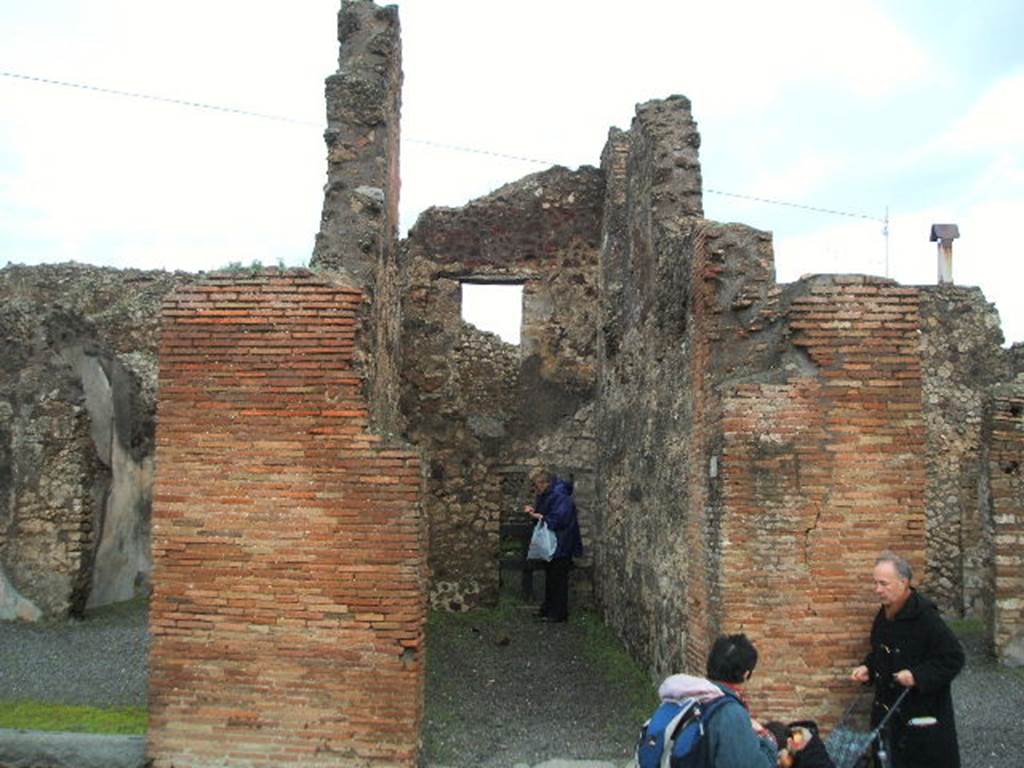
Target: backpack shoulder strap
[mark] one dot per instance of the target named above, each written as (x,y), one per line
(713,706)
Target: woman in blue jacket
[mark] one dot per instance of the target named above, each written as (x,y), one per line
(556,507)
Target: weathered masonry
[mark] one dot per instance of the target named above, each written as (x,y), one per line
(290,596)
(1006,447)
(288,608)
(337,448)
(484,411)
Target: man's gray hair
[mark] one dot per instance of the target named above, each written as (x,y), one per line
(902,566)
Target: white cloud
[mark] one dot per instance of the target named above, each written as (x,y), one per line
(995,121)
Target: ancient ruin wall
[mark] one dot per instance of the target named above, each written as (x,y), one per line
(1005,426)
(819,473)
(289,603)
(359,223)
(645,547)
(961,359)
(762,442)
(77,401)
(485,411)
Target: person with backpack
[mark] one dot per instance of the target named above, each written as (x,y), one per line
(705,723)
(556,506)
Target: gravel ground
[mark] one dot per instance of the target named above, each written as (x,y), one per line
(102,660)
(500,692)
(514,690)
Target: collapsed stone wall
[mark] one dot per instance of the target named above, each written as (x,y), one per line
(647,553)
(1005,430)
(288,610)
(77,401)
(961,359)
(485,411)
(359,223)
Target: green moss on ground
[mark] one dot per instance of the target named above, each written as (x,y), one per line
(44,716)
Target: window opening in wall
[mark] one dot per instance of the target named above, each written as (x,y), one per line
(494,307)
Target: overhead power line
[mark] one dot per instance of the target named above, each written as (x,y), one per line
(151,97)
(251,113)
(472,150)
(424,142)
(833,211)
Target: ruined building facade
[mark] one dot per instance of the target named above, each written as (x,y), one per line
(741,449)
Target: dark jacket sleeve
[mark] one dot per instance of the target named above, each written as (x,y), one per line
(869,660)
(943,660)
(560,514)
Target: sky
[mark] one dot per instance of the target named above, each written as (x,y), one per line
(911,110)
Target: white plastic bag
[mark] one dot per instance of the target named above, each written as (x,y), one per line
(543,543)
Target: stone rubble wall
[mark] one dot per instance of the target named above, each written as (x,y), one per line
(961,360)
(645,553)
(77,402)
(484,411)
(289,605)
(359,223)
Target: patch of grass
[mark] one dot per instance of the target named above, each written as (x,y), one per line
(44,716)
(504,612)
(238,267)
(602,649)
(966,626)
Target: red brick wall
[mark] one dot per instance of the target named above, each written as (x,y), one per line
(289,594)
(820,473)
(1006,455)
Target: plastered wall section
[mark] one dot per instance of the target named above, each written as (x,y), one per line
(1006,455)
(288,611)
(820,473)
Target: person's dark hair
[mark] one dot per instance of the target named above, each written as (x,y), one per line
(731,658)
(779,731)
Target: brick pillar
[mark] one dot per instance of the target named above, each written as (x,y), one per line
(289,597)
(1006,455)
(820,473)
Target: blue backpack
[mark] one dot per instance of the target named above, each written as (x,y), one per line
(674,736)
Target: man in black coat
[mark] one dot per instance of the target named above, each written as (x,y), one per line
(911,647)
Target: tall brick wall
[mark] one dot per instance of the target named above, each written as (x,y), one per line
(1005,459)
(819,474)
(289,603)
(485,411)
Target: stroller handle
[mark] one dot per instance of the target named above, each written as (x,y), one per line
(891,712)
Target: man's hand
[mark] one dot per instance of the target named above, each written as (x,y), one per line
(905,678)
(861,674)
